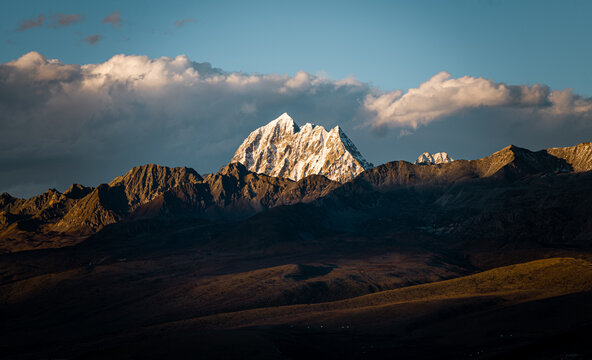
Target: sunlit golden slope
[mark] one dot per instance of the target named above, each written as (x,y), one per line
(506,285)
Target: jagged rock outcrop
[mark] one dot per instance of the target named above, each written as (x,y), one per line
(234,192)
(144,183)
(6,199)
(36,203)
(39,211)
(283,149)
(27,223)
(113,202)
(77,191)
(151,191)
(103,206)
(579,156)
(430,159)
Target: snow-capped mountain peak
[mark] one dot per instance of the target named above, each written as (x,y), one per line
(284,123)
(282,148)
(429,159)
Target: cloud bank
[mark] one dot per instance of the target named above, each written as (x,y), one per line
(443,96)
(62,123)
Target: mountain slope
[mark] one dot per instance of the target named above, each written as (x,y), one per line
(233,193)
(283,149)
(27,223)
(579,156)
(149,309)
(103,206)
(510,285)
(509,163)
(144,183)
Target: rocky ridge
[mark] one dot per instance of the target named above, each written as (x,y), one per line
(144,183)
(235,193)
(151,191)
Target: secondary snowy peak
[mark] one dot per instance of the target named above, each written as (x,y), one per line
(430,159)
(282,148)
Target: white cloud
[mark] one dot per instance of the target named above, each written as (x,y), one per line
(35,67)
(443,96)
(566,102)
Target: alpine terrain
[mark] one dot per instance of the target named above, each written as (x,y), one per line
(282,148)
(269,258)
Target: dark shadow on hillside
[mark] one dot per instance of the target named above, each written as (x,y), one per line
(306,272)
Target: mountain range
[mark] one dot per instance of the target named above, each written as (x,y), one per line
(300,248)
(234,192)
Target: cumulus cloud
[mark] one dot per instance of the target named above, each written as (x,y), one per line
(443,96)
(31,23)
(92,39)
(182,22)
(114,19)
(61,20)
(62,123)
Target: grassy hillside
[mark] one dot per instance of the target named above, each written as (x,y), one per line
(505,286)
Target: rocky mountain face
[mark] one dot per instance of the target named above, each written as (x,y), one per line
(113,202)
(579,157)
(31,219)
(283,149)
(143,183)
(234,193)
(103,206)
(152,191)
(430,159)
(509,163)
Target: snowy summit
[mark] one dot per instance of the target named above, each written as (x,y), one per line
(282,148)
(430,159)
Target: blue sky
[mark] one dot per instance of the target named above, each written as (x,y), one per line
(400,77)
(392,44)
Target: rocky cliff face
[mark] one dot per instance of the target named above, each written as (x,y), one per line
(108,204)
(283,149)
(152,191)
(144,183)
(579,157)
(103,206)
(233,193)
